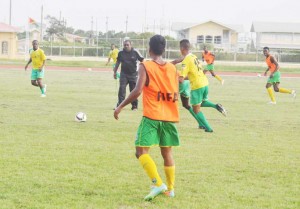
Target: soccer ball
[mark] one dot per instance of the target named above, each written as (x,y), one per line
(80,117)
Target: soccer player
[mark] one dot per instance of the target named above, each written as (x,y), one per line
(274,77)
(38,59)
(209,59)
(113,54)
(158,81)
(192,69)
(128,58)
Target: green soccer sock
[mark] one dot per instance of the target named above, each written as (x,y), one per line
(208,104)
(42,90)
(203,120)
(195,116)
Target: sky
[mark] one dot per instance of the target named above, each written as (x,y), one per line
(146,15)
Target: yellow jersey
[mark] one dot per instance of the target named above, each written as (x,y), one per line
(113,54)
(191,68)
(37,57)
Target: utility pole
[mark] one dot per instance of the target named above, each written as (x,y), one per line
(91,35)
(42,17)
(10,12)
(106,28)
(145,27)
(126,26)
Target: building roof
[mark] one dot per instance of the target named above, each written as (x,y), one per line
(177,26)
(8,28)
(273,27)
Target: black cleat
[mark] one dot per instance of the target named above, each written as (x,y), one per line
(221,109)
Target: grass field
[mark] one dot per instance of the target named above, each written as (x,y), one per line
(100,64)
(48,160)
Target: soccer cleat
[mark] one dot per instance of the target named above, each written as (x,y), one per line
(170,193)
(43,95)
(272,103)
(293,94)
(45,88)
(222,82)
(155,190)
(134,108)
(201,127)
(209,131)
(221,109)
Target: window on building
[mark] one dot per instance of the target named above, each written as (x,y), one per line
(200,39)
(208,39)
(217,40)
(4,47)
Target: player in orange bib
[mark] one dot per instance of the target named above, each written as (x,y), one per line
(274,77)
(209,58)
(158,81)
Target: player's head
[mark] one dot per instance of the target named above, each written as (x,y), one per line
(266,51)
(127,45)
(35,44)
(157,45)
(205,48)
(184,46)
(112,46)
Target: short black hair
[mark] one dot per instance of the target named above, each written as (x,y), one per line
(35,41)
(266,48)
(157,44)
(184,43)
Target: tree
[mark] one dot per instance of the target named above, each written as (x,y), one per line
(80,32)
(56,27)
(70,30)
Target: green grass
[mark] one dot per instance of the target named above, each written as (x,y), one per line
(61,63)
(48,160)
(253,69)
(97,64)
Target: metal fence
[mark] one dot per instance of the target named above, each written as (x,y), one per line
(101,48)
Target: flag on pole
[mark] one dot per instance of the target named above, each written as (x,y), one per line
(31,21)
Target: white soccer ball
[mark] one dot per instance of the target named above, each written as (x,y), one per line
(258,75)
(80,117)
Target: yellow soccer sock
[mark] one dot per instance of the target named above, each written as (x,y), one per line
(218,77)
(170,176)
(271,94)
(150,168)
(283,90)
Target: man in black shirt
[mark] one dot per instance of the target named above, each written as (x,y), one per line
(128,58)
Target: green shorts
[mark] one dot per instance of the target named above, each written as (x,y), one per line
(210,67)
(275,79)
(35,74)
(155,132)
(199,95)
(185,89)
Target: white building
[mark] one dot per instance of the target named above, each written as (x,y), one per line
(276,35)
(210,32)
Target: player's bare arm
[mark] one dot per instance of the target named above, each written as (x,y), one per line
(178,60)
(29,61)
